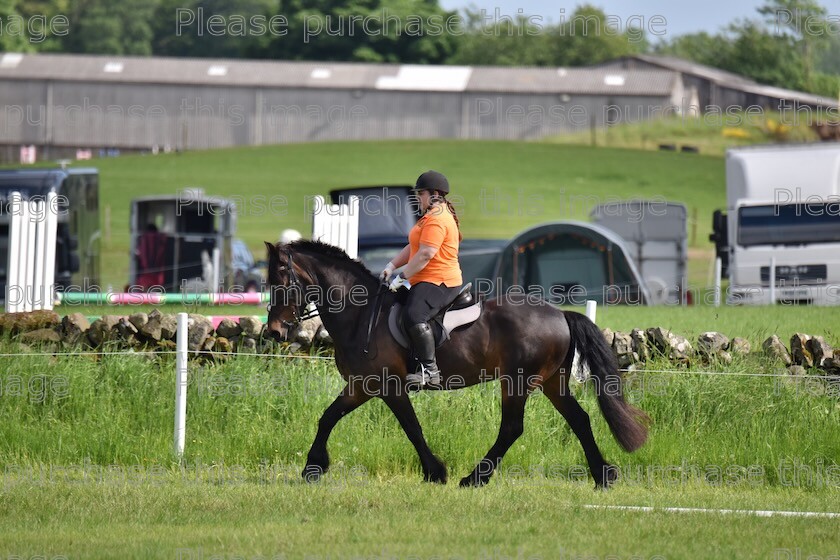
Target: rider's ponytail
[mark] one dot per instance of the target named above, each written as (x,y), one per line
(454,215)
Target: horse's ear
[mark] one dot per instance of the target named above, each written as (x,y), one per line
(272,249)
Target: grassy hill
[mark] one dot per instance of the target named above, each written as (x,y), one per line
(499,188)
(711,134)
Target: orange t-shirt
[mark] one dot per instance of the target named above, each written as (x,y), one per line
(437,229)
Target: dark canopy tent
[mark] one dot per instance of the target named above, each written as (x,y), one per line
(570,262)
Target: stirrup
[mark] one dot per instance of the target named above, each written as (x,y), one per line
(423,376)
(432,378)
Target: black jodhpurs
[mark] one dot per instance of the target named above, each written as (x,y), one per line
(425,300)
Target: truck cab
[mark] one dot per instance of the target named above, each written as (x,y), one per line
(780,235)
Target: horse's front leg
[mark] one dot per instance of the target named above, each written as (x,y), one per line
(318,460)
(433,468)
(513,414)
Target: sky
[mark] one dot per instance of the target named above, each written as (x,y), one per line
(680,16)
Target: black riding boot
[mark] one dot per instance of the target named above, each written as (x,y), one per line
(423,344)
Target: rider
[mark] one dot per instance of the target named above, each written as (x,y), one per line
(431,267)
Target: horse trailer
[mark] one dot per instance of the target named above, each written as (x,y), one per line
(182,243)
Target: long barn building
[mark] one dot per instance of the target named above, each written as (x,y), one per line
(63,103)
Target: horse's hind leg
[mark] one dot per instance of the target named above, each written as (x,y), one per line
(318,460)
(557,390)
(513,414)
(433,469)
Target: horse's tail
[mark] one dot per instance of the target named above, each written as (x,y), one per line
(627,423)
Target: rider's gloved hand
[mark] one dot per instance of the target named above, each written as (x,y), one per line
(397,281)
(386,273)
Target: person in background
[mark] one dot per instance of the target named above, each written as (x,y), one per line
(150,255)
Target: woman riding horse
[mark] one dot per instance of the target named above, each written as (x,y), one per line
(432,269)
(526,345)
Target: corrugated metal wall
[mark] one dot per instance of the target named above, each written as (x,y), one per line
(140,117)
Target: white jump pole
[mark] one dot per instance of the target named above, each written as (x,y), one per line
(772,280)
(353,228)
(581,373)
(51,217)
(181,384)
(39,217)
(341,222)
(13,288)
(317,218)
(718,274)
(28,265)
(214,282)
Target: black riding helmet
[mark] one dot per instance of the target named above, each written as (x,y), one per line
(432,181)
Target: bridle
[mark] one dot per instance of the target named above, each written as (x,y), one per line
(298,317)
(294,283)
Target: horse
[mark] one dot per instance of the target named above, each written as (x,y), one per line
(527,345)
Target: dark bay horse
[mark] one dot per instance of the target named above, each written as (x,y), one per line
(527,345)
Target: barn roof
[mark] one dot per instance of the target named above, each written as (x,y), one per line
(722,78)
(335,75)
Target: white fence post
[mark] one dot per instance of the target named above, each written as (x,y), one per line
(581,373)
(591,307)
(181,383)
(718,275)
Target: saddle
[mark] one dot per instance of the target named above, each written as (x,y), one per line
(463,310)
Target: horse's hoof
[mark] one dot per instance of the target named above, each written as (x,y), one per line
(312,473)
(473,481)
(437,475)
(609,474)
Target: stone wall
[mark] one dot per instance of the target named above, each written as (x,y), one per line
(156,331)
(152,331)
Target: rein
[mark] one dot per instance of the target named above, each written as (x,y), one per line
(374,317)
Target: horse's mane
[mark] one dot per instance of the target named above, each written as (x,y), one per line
(331,251)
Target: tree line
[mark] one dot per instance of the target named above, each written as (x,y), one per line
(789,43)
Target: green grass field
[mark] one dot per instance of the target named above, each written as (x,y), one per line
(86,441)
(397,517)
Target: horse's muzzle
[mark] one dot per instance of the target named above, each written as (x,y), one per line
(278,333)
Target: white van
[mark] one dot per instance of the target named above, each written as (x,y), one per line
(782,214)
